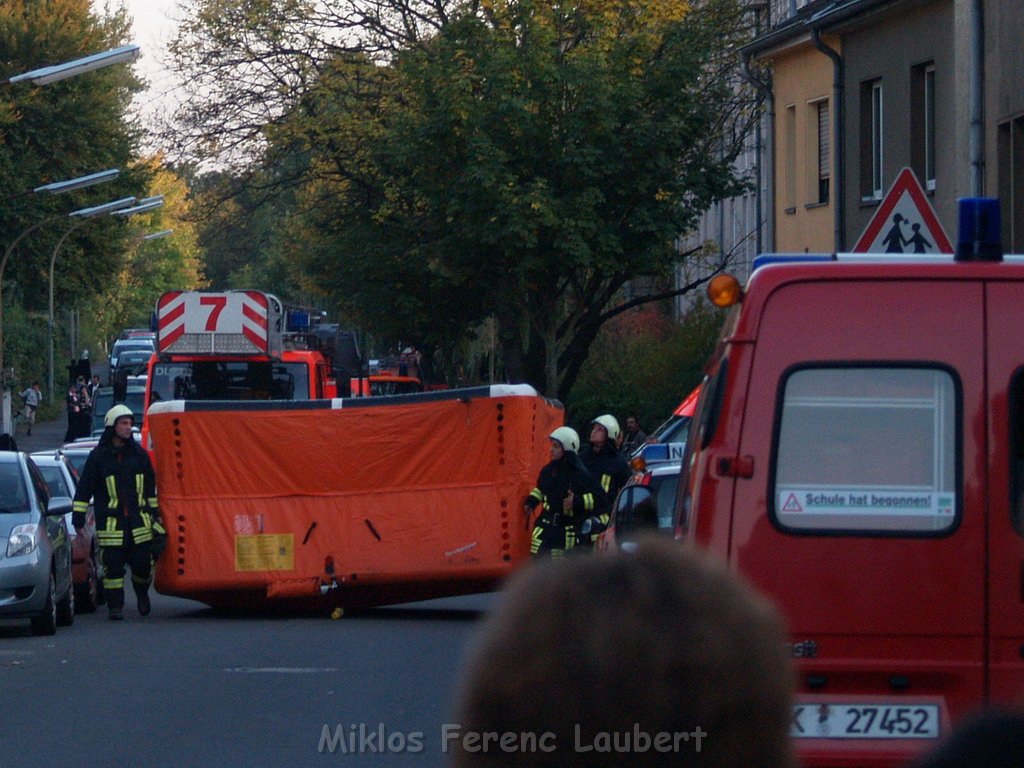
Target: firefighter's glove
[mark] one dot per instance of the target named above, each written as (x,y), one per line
(159,538)
(591,527)
(78,512)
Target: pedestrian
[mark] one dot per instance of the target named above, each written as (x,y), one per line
(33,396)
(84,408)
(73,403)
(94,384)
(566,494)
(604,462)
(633,437)
(656,657)
(119,477)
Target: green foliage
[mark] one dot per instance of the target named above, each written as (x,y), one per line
(643,363)
(57,132)
(507,161)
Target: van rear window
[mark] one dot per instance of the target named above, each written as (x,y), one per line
(867,450)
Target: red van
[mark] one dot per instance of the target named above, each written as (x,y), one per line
(858,454)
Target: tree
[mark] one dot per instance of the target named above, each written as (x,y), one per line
(57,132)
(520,159)
(150,267)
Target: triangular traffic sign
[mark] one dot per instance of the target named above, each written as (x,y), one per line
(905,222)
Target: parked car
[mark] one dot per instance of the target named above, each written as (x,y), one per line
(103,401)
(78,451)
(677,426)
(131,363)
(62,479)
(35,569)
(124,345)
(138,333)
(645,503)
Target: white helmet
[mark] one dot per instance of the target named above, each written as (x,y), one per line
(116,413)
(610,423)
(567,437)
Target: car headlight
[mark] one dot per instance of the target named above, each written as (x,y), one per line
(23,540)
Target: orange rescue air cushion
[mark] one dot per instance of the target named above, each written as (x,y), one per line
(256,501)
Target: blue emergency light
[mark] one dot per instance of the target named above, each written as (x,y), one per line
(980,230)
(297,320)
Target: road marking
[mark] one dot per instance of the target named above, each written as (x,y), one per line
(281,670)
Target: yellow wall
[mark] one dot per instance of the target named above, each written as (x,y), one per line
(802,76)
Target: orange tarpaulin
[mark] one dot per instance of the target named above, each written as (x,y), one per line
(389,499)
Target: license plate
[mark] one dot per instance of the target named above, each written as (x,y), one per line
(865,721)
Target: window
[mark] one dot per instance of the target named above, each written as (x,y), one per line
(791,158)
(1010,153)
(1017,451)
(867,451)
(929,127)
(824,155)
(871,139)
(922,123)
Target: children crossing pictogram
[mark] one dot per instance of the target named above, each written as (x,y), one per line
(905,222)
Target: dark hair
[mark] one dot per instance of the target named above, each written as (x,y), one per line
(993,739)
(7,442)
(659,640)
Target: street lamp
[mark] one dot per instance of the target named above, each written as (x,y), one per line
(47,75)
(81,216)
(82,181)
(143,205)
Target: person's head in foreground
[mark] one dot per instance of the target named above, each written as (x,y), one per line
(657,656)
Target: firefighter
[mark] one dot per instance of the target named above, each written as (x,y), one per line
(566,494)
(603,460)
(118,476)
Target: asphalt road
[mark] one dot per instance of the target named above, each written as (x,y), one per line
(189,686)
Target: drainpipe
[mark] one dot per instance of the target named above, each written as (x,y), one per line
(837,161)
(977,91)
(763,173)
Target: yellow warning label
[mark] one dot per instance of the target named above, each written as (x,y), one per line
(265,552)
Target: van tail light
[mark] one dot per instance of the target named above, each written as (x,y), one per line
(645,480)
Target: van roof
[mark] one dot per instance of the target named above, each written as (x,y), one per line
(766,259)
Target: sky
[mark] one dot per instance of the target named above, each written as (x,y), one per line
(152,28)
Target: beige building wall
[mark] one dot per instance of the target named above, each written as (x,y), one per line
(802,81)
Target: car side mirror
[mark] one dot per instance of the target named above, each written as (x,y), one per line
(59,505)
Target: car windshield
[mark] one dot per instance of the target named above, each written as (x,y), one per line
(13,496)
(55,479)
(230,380)
(104,401)
(133,345)
(77,459)
(134,356)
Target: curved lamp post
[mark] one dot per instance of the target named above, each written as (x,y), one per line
(124,206)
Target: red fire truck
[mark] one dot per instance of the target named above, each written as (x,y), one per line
(230,346)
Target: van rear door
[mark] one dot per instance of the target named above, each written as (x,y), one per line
(1006,484)
(861,426)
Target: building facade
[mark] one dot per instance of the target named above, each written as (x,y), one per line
(861,89)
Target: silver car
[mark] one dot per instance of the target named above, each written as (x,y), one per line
(35,548)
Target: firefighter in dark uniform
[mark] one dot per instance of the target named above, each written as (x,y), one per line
(566,494)
(603,460)
(118,476)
